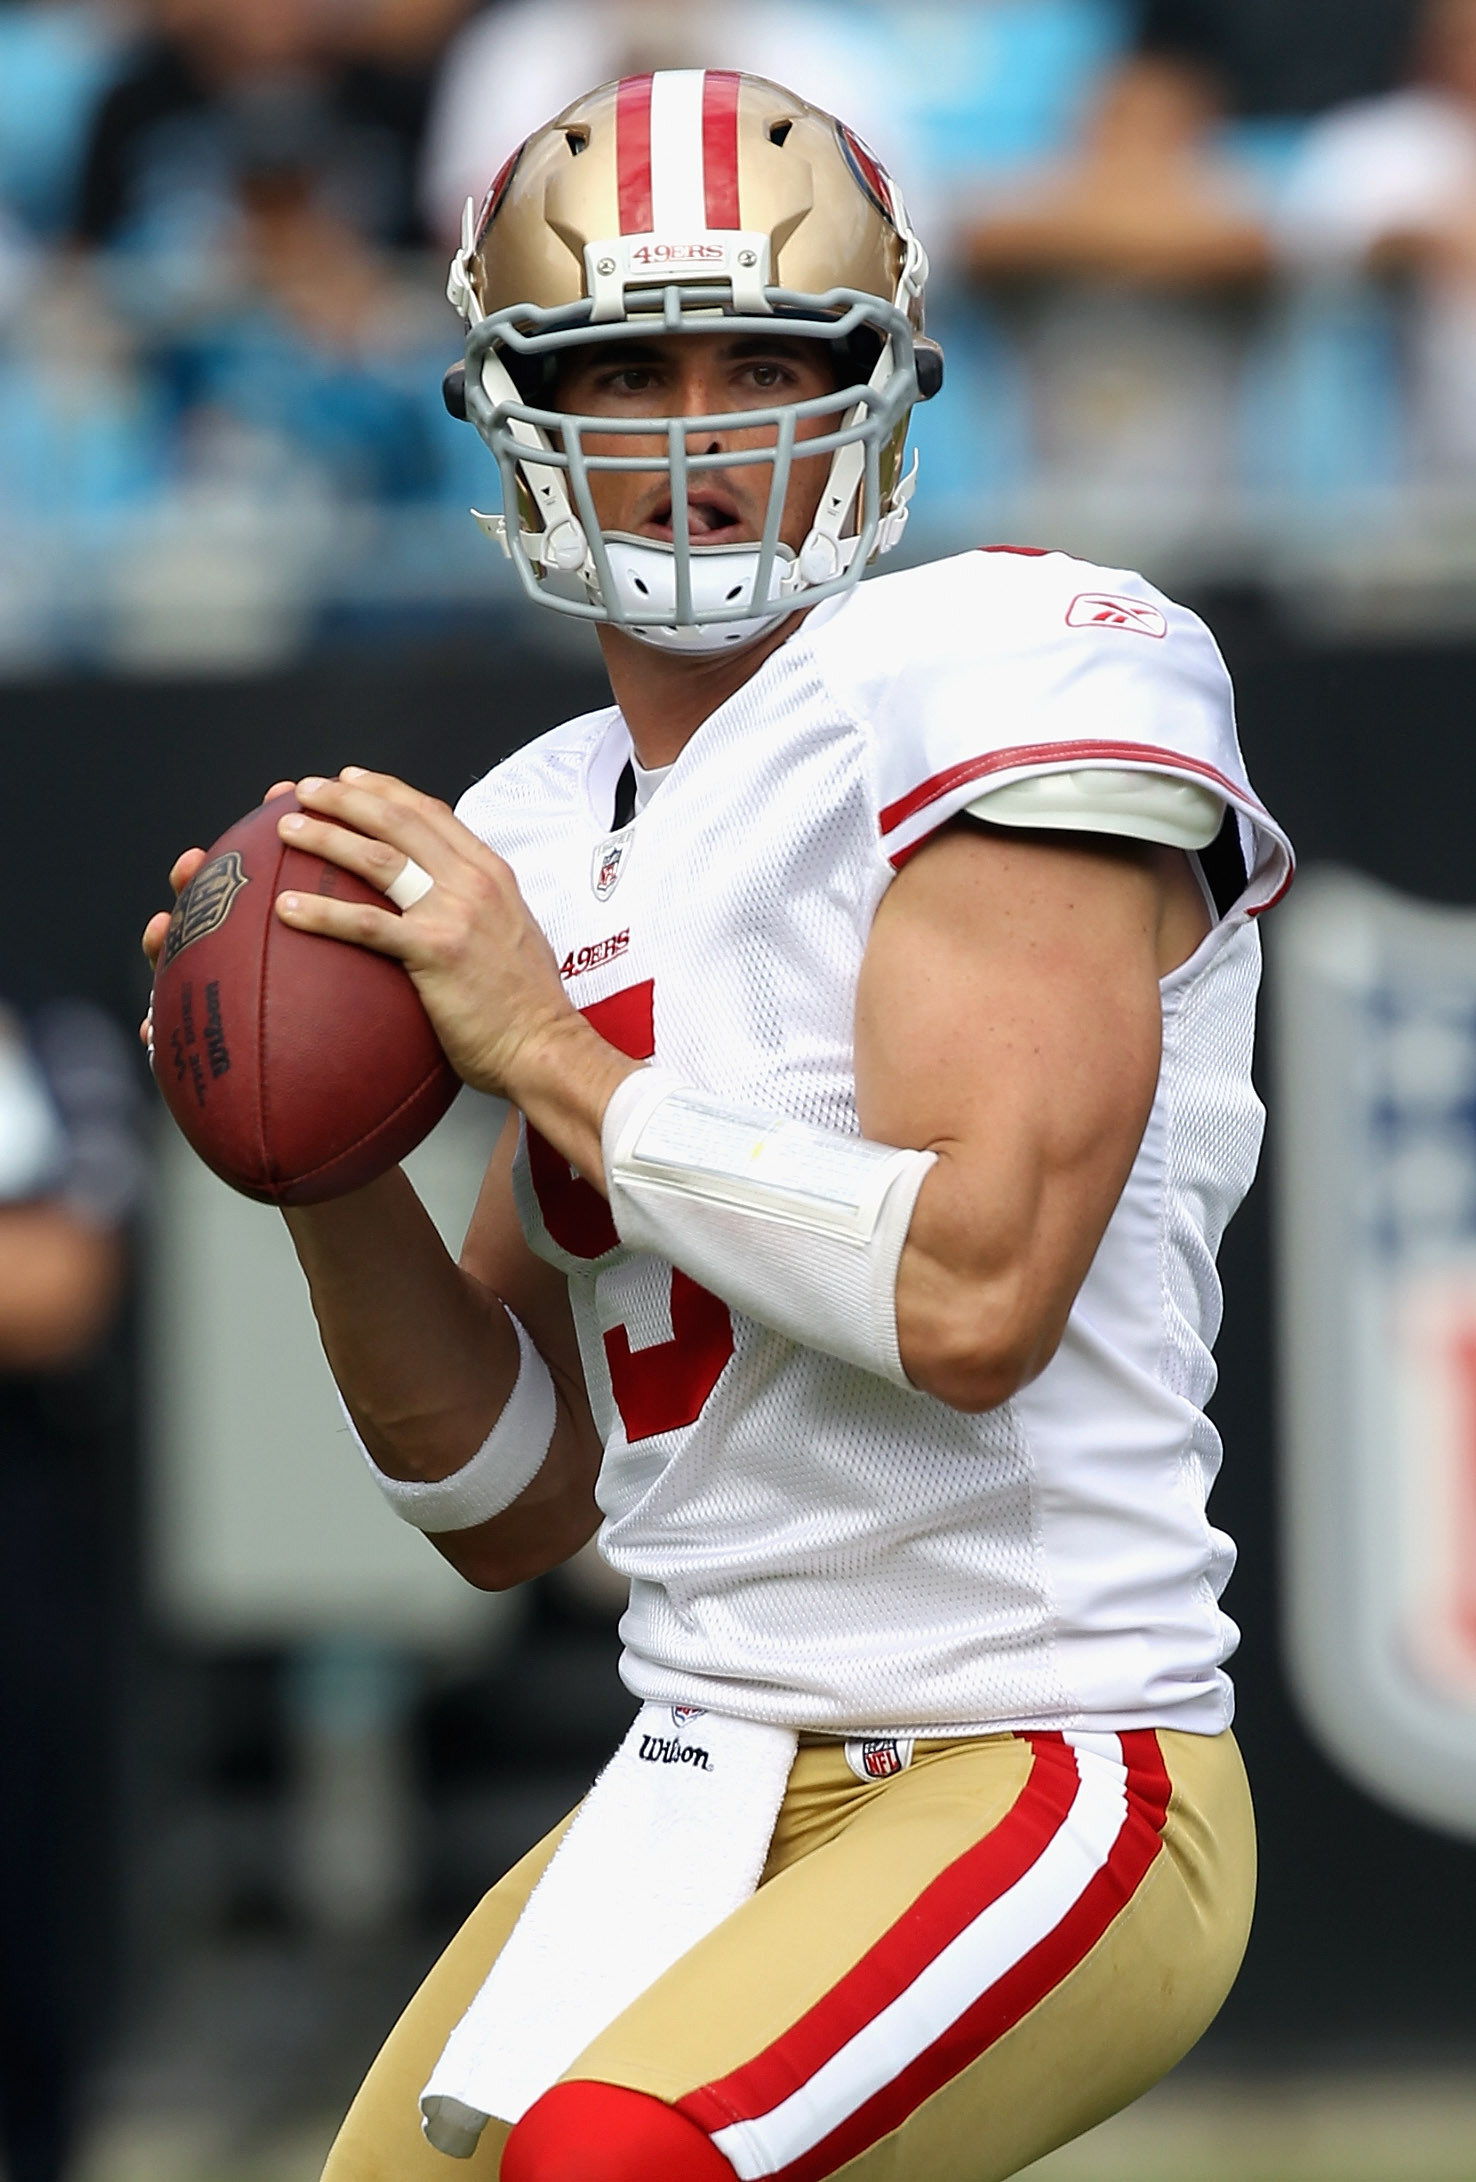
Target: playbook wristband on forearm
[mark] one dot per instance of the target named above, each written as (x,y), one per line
(800,1228)
(505,1464)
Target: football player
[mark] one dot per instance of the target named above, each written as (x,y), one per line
(873,986)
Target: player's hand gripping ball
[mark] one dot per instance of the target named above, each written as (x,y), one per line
(299,1067)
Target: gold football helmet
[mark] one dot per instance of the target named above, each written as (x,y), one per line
(676,202)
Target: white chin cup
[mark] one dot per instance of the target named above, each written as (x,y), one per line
(644,570)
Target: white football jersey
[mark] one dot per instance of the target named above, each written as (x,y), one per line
(807,1543)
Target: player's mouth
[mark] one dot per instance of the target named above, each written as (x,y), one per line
(713,518)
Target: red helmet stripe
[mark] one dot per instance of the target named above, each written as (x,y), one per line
(869,169)
(633,154)
(720,146)
(496,191)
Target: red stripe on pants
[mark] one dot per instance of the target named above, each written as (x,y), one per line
(960,1894)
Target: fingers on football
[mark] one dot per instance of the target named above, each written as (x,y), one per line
(184,867)
(383,930)
(154,933)
(279,788)
(418,825)
(377,861)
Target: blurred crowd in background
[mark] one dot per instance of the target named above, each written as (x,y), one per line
(1203,267)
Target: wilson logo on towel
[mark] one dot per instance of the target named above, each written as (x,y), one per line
(666,1750)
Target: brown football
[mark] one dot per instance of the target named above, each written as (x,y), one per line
(298,1067)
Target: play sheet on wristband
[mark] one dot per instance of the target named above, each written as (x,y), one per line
(786,1169)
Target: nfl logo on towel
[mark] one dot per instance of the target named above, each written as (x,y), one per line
(1377,1214)
(683,1715)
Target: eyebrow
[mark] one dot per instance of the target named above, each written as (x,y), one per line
(742,348)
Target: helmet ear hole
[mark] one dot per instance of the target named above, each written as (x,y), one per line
(928,358)
(856,358)
(453,391)
(779,131)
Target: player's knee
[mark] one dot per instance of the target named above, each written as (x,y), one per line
(594,2132)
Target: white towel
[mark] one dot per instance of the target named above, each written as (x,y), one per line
(671,1839)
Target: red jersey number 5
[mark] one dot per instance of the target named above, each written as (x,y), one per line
(661,1388)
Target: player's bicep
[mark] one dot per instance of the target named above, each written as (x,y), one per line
(1008,1018)
(1011,983)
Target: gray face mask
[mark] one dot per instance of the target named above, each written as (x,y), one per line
(683,596)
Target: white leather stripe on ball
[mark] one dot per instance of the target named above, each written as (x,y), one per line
(411,882)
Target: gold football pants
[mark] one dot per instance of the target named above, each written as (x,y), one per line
(943,1974)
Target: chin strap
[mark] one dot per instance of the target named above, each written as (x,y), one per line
(823,555)
(460,293)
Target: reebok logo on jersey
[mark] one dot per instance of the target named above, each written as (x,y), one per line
(595,955)
(1101,610)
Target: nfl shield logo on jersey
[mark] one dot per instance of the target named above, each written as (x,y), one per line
(878,1757)
(1377,1024)
(608,863)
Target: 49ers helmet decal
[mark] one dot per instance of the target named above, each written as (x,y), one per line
(692,200)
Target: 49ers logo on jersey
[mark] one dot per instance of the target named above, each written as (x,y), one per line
(595,955)
(1103,610)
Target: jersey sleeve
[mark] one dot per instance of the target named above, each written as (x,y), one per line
(1004,666)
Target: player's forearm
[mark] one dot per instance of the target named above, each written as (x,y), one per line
(424,1356)
(563,1081)
(985,1284)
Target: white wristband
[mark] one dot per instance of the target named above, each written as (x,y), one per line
(505,1464)
(800,1228)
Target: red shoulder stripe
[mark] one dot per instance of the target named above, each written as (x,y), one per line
(1052,753)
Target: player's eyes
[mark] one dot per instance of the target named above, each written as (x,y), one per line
(629,379)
